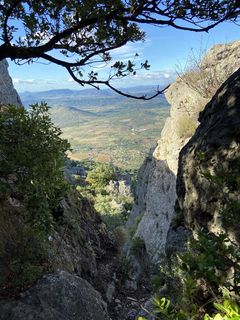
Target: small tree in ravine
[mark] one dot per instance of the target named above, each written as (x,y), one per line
(82,34)
(100,176)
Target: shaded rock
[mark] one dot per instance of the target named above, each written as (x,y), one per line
(59,296)
(214,149)
(82,240)
(131,285)
(176,240)
(8,95)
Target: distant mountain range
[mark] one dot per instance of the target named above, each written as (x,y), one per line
(95,96)
(104,126)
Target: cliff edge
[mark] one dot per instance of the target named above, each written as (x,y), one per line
(154,211)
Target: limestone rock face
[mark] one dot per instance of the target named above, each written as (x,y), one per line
(214,149)
(82,241)
(156,191)
(8,95)
(58,296)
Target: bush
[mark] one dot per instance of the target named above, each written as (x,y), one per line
(32,159)
(100,176)
(113,209)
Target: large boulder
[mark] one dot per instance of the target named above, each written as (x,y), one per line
(58,296)
(8,95)
(209,163)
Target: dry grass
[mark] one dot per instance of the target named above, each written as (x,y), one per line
(201,77)
(185,126)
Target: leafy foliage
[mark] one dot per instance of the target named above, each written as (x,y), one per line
(228,310)
(32,160)
(113,206)
(100,176)
(91,30)
(32,157)
(164,309)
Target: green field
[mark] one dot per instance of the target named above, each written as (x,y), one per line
(105,127)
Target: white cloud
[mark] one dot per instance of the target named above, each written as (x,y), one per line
(129,50)
(17,81)
(161,75)
(167,75)
(23,81)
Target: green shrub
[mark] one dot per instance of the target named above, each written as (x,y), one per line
(100,176)
(32,159)
(85,192)
(228,309)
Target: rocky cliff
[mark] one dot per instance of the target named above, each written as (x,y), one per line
(156,191)
(207,183)
(8,95)
(77,251)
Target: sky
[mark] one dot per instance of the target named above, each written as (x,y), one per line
(166,49)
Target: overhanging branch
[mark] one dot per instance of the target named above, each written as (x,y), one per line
(96,83)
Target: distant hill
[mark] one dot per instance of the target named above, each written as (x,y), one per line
(104,126)
(70,116)
(82,97)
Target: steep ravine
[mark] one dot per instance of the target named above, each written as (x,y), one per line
(85,281)
(85,278)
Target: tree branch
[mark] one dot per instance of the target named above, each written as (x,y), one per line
(95,84)
(5,24)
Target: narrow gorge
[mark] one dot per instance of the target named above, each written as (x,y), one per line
(93,277)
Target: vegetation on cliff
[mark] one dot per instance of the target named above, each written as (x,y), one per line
(206,276)
(32,158)
(109,188)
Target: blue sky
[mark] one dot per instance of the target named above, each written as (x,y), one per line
(165,48)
